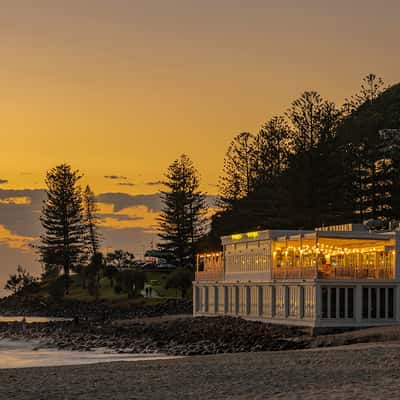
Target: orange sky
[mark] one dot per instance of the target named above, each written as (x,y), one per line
(123,87)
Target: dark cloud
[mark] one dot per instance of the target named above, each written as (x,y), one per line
(22,219)
(125,184)
(131,239)
(121,217)
(153,202)
(154,183)
(121,201)
(115,177)
(3,181)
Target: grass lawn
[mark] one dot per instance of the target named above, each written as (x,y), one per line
(107,293)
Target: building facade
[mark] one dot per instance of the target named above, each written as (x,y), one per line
(341,276)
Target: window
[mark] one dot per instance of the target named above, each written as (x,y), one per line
(324,299)
(377,303)
(260,301)
(342,303)
(333,302)
(337,302)
(350,303)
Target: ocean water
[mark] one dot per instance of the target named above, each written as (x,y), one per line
(19,354)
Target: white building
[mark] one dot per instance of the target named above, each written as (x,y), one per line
(341,276)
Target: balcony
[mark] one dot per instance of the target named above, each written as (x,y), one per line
(209,276)
(332,273)
(294,273)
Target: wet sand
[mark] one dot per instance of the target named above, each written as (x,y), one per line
(370,371)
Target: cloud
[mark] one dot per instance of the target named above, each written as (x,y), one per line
(131,239)
(16,200)
(125,184)
(20,210)
(14,241)
(115,177)
(121,217)
(152,202)
(121,201)
(154,183)
(3,181)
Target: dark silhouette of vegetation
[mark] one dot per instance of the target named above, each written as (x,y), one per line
(319,164)
(63,242)
(130,282)
(92,221)
(181,221)
(93,274)
(56,288)
(181,279)
(120,259)
(21,281)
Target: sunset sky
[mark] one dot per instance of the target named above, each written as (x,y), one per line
(119,88)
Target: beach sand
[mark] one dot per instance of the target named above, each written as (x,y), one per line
(370,371)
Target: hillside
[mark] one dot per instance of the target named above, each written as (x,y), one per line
(382,113)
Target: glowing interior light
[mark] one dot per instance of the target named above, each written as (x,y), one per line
(252,235)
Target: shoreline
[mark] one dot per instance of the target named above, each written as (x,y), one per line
(16,354)
(346,372)
(177,336)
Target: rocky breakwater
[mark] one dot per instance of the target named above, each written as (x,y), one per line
(41,307)
(182,336)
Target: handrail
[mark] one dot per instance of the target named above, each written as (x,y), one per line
(332,273)
(209,276)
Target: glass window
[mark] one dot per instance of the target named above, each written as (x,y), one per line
(333,302)
(365,303)
(373,302)
(324,296)
(342,302)
(350,303)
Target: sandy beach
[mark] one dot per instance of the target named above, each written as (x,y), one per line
(367,371)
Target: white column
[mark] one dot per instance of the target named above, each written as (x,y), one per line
(195,299)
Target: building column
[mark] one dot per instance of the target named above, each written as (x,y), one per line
(195,299)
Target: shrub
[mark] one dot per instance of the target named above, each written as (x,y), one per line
(57,288)
(181,279)
(131,282)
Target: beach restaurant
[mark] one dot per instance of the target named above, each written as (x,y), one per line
(338,276)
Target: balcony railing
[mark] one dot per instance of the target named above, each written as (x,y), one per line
(333,273)
(209,276)
(294,273)
(353,273)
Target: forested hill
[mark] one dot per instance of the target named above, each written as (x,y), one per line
(317,164)
(382,113)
